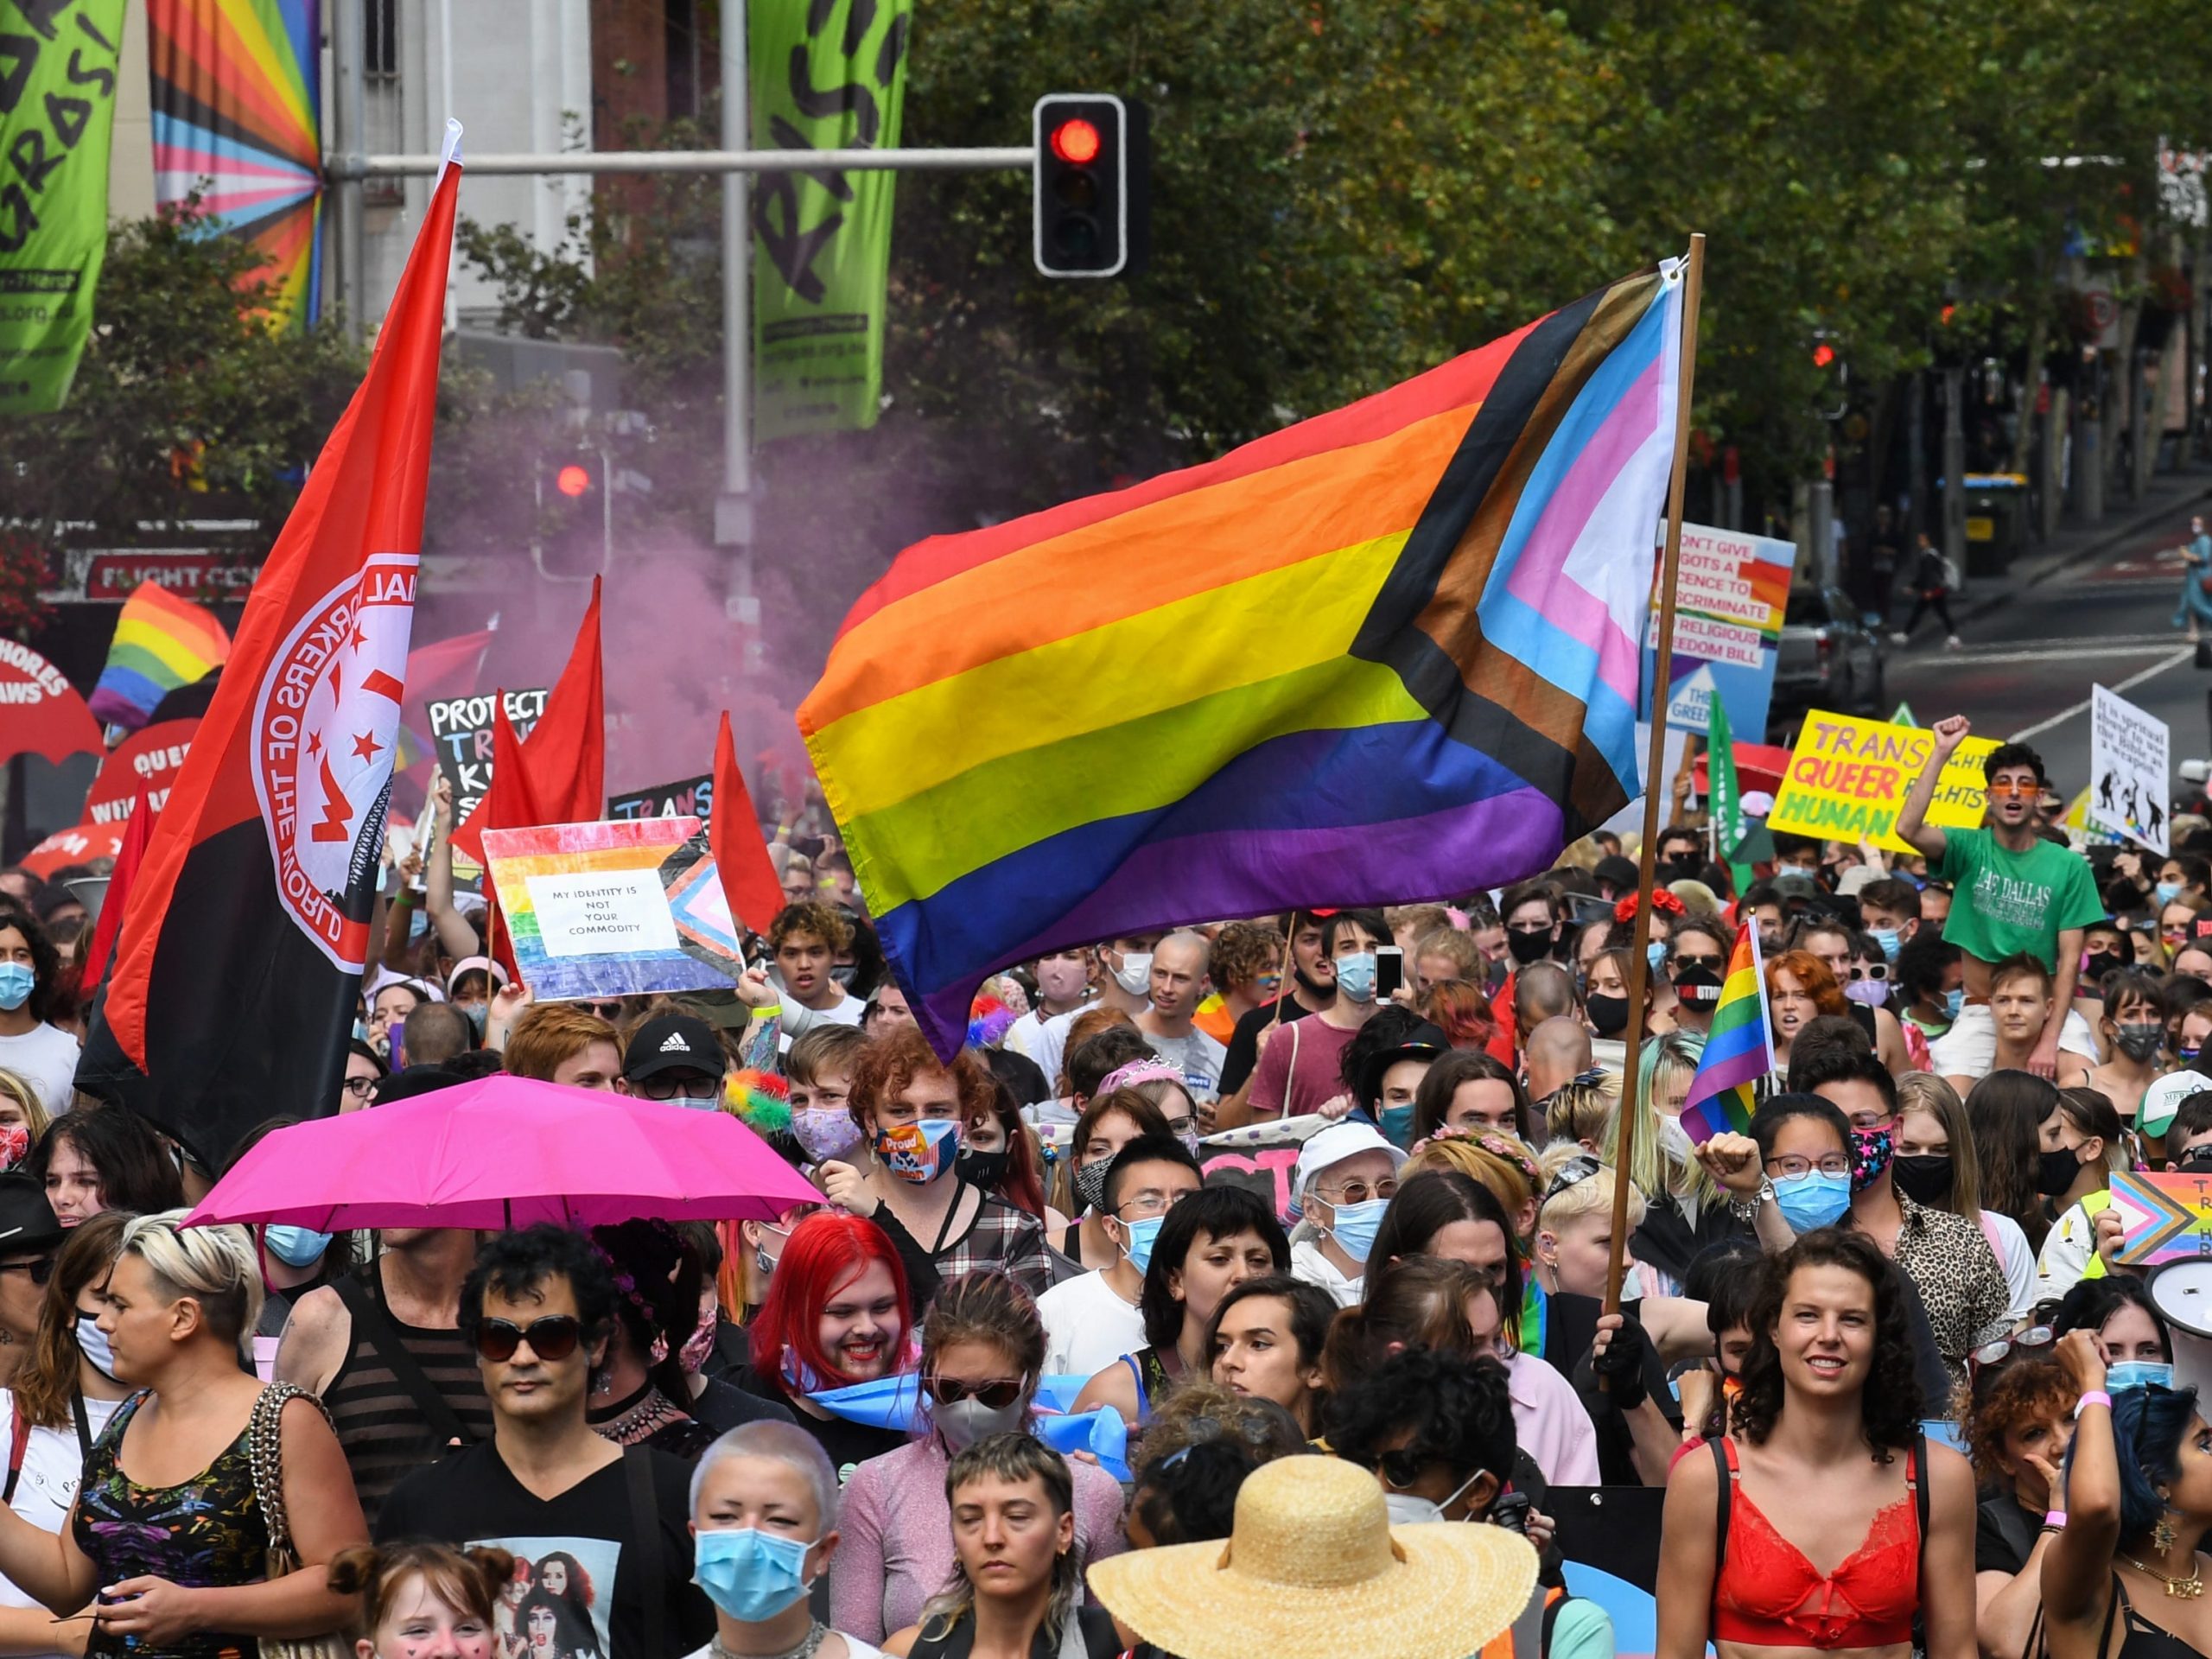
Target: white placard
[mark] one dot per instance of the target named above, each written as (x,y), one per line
(2129,770)
(596,913)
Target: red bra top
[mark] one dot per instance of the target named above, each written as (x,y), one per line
(1768,1595)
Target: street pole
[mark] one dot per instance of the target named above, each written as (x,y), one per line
(1954,468)
(733,507)
(348,44)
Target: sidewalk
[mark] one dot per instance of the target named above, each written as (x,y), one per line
(2166,505)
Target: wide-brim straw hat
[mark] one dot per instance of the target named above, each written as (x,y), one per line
(1314,1569)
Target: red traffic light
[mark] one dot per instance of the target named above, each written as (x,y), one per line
(1076,141)
(572,480)
(1823,354)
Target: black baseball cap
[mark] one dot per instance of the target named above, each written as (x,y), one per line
(1423,1042)
(26,1223)
(671,1042)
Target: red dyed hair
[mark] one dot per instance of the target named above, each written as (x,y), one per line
(1461,1011)
(1022,1186)
(824,1251)
(1810,972)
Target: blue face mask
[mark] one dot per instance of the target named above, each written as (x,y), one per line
(16,982)
(2137,1373)
(1655,954)
(1887,938)
(476,1013)
(1142,1236)
(2168,892)
(296,1247)
(750,1574)
(1955,1002)
(1397,1127)
(1813,1199)
(1354,1225)
(1356,975)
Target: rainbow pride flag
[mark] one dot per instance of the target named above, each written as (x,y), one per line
(161,643)
(1738,1050)
(1392,650)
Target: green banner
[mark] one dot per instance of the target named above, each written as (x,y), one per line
(827,74)
(1725,799)
(57,110)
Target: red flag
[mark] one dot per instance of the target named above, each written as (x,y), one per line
(41,712)
(138,835)
(563,764)
(237,974)
(749,879)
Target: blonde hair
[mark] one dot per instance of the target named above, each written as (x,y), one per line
(1582,1111)
(1456,947)
(1591,1194)
(1925,1091)
(1662,1060)
(1511,1175)
(27,1102)
(216,1267)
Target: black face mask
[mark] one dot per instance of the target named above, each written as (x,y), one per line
(983,1169)
(1528,947)
(2056,1170)
(1608,1015)
(1923,1177)
(2095,966)
(1697,984)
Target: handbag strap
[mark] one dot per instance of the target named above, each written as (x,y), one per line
(645,1538)
(266,1456)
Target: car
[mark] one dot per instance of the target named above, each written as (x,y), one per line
(1829,657)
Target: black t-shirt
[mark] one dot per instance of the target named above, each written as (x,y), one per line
(576,1545)
(724,1406)
(1244,1042)
(847,1444)
(1570,1331)
(2003,1534)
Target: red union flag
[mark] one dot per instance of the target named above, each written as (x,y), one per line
(244,933)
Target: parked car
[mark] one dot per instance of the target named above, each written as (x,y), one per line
(1829,657)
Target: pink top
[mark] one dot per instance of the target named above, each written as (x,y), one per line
(1299,1071)
(895,1531)
(1550,1422)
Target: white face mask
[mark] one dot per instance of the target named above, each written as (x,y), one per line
(1134,974)
(1406,1510)
(1675,1140)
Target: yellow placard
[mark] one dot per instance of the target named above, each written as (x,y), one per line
(1848,777)
(1982,530)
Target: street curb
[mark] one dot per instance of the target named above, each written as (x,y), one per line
(2053,564)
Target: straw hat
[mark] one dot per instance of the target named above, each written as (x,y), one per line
(1314,1561)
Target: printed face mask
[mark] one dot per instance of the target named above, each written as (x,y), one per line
(14,1143)
(984,1169)
(921,1151)
(1091,1183)
(92,1343)
(824,1132)
(1871,1153)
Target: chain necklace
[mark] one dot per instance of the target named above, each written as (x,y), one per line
(816,1631)
(2188,1589)
(641,1421)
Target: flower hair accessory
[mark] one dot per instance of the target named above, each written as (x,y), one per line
(1661,901)
(1458,917)
(1151,1069)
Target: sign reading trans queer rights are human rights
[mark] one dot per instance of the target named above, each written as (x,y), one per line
(1848,777)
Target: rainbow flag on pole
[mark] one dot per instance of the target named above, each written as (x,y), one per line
(161,643)
(1391,649)
(1738,1050)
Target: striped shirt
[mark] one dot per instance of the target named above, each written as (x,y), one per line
(380,1427)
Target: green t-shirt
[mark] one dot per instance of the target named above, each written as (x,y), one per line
(2004,903)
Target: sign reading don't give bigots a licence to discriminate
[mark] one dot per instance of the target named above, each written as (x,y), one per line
(1848,778)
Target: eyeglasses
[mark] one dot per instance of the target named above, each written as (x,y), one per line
(1874,971)
(1146,1205)
(360,1088)
(998,1395)
(41,1268)
(2016,791)
(2004,1348)
(553,1337)
(671,1086)
(1572,1173)
(1791,1166)
(609,1011)
(1358,1193)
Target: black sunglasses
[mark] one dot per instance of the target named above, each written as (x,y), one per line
(610,1011)
(951,1391)
(553,1337)
(41,1268)
(1401,1469)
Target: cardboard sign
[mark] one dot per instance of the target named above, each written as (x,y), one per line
(1261,1157)
(152,755)
(2129,770)
(614,909)
(2163,1218)
(1848,777)
(461,731)
(687,797)
(1732,590)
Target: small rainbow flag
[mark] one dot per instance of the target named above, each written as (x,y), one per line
(1738,1050)
(161,643)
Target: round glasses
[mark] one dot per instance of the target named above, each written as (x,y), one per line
(553,1337)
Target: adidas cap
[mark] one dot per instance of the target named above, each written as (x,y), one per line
(672,1042)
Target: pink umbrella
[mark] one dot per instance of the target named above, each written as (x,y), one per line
(506,1152)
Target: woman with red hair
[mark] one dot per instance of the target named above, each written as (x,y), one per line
(837,1313)
(1799,989)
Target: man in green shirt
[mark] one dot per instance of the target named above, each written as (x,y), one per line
(2013,894)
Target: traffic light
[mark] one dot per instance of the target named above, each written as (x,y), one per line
(575,511)
(1093,158)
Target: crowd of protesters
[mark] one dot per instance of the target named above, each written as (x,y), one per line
(1906,1289)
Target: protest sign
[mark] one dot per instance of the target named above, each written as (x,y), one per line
(1261,1157)
(73,846)
(1729,596)
(461,731)
(41,712)
(1848,777)
(2163,1218)
(2129,770)
(687,797)
(152,755)
(614,909)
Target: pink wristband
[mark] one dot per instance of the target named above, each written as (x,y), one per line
(2055,1519)
(2093,1397)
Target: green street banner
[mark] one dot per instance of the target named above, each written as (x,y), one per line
(57,110)
(827,74)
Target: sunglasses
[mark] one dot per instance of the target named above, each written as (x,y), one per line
(1401,1469)
(41,1268)
(1878,970)
(2016,791)
(1572,1173)
(951,1391)
(609,1011)
(2004,1348)
(553,1337)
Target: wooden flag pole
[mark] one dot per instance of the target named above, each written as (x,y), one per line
(1662,674)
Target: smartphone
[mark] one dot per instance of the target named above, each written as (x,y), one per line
(1389,971)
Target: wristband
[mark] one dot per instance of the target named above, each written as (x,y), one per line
(2093,1397)
(2055,1521)
(768,1012)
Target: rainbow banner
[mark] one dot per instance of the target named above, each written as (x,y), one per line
(237,98)
(161,643)
(1391,649)
(621,909)
(1738,1050)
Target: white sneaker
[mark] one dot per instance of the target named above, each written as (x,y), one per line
(1952,644)
(1897,638)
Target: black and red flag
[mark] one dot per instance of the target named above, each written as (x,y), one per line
(246,931)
